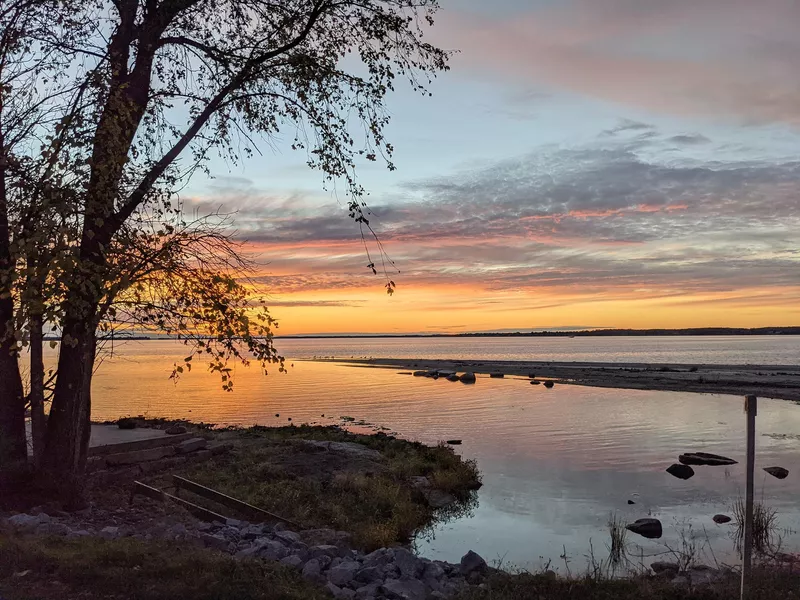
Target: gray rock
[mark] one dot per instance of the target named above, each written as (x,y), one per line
(649,528)
(324,561)
(347,594)
(660,567)
(324,550)
(176,430)
(80,533)
(432,584)
(778,472)
(333,589)
(289,537)
(251,532)
(271,549)
(350,448)
(312,570)
(368,591)
(230,533)
(177,530)
(471,562)
(433,570)
(247,552)
(378,558)
(300,550)
(410,589)
(409,565)
(214,541)
(680,471)
(369,575)
(705,458)
(344,573)
(293,561)
(204,526)
(24,522)
(109,533)
(721,519)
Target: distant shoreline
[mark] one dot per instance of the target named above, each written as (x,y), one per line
(697,331)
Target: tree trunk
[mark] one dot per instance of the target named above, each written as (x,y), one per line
(13,443)
(36,397)
(67,425)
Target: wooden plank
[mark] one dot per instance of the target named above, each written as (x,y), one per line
(225,500)
(156,494)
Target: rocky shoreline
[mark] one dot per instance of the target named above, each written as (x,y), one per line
(766,381)
(323,556)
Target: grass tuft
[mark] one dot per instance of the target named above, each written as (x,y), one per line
(765,526)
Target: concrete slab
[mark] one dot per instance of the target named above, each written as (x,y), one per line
(104,435)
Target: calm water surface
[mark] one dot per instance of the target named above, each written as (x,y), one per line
(729,350)
(556,463)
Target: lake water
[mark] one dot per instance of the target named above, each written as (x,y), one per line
(556,463)
(726,350)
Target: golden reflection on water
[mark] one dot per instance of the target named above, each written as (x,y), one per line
(555,462)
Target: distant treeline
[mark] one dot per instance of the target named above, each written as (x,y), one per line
(582,333)
(650,332)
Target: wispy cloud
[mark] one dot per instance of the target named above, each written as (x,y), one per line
(616,219)
(732,58)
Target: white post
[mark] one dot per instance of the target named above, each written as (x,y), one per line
(751,408)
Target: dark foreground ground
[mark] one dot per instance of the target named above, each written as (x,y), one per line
(767,381)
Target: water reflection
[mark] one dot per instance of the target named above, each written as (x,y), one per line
(555,463)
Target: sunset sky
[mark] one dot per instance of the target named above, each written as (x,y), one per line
(585,163)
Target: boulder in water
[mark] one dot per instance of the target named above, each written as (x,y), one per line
(454,442)
(721,519)
(534,382)
(496,375)
(648,527)
(778,472)
(705,459)
(420,373)
(453,377)
(681,471)
(548,384)
(468,377)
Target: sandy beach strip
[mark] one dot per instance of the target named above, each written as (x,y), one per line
(766,381)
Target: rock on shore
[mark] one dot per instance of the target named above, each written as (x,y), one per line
(323,556)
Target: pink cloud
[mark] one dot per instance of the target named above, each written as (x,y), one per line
(710,58)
